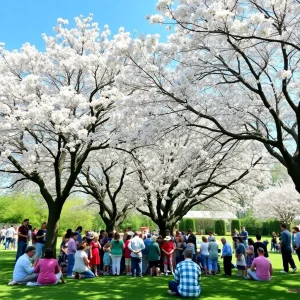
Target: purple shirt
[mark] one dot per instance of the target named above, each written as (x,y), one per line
(72,246)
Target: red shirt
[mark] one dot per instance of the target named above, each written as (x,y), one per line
(23,230)
(168,247)
(127,252)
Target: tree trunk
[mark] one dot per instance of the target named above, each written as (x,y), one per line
(163,226)
(109,223)
(52,225)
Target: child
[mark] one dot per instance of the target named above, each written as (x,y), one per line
(106,259)
(168,248)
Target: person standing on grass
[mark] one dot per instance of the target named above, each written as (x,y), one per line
(273,242)
(210,236)
(260,244)
(213,254)
(9,236)
(244,235)
(3,234)
(41,240)
(72,248)
(168,248)
(127,253)
(240,254)
(95,254)
(261,268)
(145,260)
(22,238)
(192,238)
(23,271)
(204,254)
(297,241)
(136,245)
(79,238)
(186,278)
(154,256)
(117,246)
(286,250)
(227,257)
(250,253)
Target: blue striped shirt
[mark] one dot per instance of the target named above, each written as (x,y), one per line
(187,275)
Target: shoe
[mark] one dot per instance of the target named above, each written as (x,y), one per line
(70,277)
(166,274)
(12,282)
(294,270)
(238,275)
(32,284)
(171,293)
(284,272)
(247,277)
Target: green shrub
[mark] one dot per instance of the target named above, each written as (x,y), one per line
(208,229)
(182,225)
(235,224)
(220,227)
(253,225)
(190,224)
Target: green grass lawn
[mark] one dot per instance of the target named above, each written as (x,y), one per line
(151,288)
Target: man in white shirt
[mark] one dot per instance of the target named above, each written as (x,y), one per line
(23,271)
(136,246)
(9,236)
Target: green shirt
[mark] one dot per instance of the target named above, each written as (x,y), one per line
(116,247)
(154,252)
(213,250)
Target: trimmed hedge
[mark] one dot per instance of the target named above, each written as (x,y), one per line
(182,225)
(190,224)
(220,227)
(254,226)
(235,224)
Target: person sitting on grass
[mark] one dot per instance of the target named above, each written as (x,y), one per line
(23,271)
(81,266)
(186,278)
(48,270)
(261,268)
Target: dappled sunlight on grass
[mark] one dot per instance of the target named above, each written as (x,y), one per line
(151,288)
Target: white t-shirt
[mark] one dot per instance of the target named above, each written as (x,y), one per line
(204,249)
(79,265)
(3,232)
(10,232)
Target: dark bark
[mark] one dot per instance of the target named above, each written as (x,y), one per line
(53,225)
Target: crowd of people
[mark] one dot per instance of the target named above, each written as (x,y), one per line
(136,254)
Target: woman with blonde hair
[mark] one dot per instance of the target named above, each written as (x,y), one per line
(95,254)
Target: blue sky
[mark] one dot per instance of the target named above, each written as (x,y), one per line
(24,21)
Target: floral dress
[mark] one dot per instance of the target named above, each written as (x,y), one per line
(250,257)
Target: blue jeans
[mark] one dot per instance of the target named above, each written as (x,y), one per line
(136,265)
(21,249)
(173,286)
(71,262)
(87,274)
(204,261)
(7,243)
(213,264)
(39,249)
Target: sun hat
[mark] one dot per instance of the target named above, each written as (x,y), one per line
(90,235)
(167,238)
